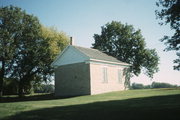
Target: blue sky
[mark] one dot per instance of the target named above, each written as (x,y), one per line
(84,18)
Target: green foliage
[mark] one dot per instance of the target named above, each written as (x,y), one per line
(170,13)
(57,41)
(128,45)
(27,48)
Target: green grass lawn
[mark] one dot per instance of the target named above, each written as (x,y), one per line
(149,104)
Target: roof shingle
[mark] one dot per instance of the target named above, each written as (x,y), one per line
(98,55)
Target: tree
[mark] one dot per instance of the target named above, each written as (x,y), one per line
(170,12)
(57,41)
(10,31)
(128,45)
(26,52)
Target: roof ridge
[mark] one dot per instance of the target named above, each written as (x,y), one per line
(85,47)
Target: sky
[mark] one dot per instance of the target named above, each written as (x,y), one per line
(81,19)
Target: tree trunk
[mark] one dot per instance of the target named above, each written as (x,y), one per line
(20,89)
(1,87)
(2,77)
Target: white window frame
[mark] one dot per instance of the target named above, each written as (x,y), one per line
(120,76)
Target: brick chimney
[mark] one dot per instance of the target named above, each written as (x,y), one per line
(71,41)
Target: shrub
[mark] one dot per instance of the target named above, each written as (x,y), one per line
(44,88)
(137,86)
(162,85)
(153,85)
(10,86)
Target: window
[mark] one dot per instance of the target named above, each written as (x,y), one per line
(120,76)
(105,77)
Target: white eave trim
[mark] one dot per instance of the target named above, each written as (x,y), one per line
(53,64)
(108,62)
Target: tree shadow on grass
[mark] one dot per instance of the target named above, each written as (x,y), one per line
(149,108)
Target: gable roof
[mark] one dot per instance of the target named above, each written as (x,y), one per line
(87,54)
(98,55)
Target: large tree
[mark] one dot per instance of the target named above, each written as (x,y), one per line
(26,50)
(170,12)
(128,45)
(10,32)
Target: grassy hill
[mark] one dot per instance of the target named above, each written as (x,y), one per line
(149,104)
